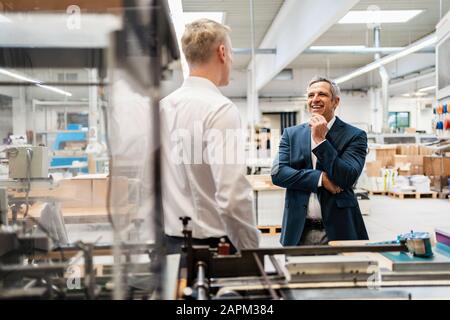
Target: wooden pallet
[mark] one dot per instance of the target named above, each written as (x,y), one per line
(270,230)
(414,195)
(377,193)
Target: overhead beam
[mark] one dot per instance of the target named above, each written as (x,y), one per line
(362,50)
(297,25)
(418,77)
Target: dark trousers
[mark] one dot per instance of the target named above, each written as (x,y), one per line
(313,234)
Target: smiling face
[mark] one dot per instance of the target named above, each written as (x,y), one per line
(321,101)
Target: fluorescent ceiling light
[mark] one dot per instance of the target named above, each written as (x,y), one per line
(43,86)
(427,89)
(36,82)
(379,16)
(416,46)
(415,94)
(17,76)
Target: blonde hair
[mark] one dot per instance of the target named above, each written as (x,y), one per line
(199,39)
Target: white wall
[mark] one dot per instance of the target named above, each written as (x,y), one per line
(420,118)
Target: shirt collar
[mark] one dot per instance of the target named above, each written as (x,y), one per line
(330,124)
(200,82)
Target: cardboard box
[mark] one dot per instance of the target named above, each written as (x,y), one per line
(404,169)
(425,151)
(436,166)
(408,149)
(373,168)
(74,193)
(409,165)
(410,170)
(385,154)
(416,160)
(119,192)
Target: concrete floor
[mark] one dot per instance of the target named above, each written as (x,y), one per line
(388,217)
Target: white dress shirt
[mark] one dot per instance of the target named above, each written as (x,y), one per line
(216,196)
(314,209)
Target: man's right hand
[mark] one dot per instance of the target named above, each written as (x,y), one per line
(329,185)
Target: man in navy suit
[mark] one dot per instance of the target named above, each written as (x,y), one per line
(318,163)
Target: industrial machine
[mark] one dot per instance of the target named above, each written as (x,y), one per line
(403,269)
(35,262)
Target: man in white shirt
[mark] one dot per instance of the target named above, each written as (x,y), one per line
(318,163)
(202,177)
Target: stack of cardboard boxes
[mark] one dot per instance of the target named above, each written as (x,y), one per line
(438,169)
(409,159)
(401,160)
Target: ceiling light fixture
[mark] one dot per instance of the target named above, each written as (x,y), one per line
(36,82)
(430,88)
(379,16)
(416,46)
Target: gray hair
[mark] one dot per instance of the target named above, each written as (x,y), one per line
(335,90)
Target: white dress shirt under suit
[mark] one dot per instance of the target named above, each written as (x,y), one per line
(314,210)
(216,196)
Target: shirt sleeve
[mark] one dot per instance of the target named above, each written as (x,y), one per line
(319,143)
(319,184)
(225,152)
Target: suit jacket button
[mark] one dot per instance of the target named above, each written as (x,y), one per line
(305,206)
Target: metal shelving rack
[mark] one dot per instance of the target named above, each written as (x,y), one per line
(54,104)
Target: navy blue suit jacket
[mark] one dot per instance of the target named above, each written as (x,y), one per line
(342,157)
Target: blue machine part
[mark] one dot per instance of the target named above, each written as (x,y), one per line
(67,161)
(68,136)
(418,243)
(74,126)
(61,137)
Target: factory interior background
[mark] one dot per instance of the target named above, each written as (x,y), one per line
(78,139)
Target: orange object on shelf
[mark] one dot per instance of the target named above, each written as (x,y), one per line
(447,124)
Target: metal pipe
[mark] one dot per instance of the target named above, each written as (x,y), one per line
(256,51)
(201,283)
(325,249)
(264,275)
(384,82)
(252,94)
(276,265)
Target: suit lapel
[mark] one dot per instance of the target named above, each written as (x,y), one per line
(305,145)
(335,132)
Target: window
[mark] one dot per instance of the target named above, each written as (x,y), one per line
(399,119)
